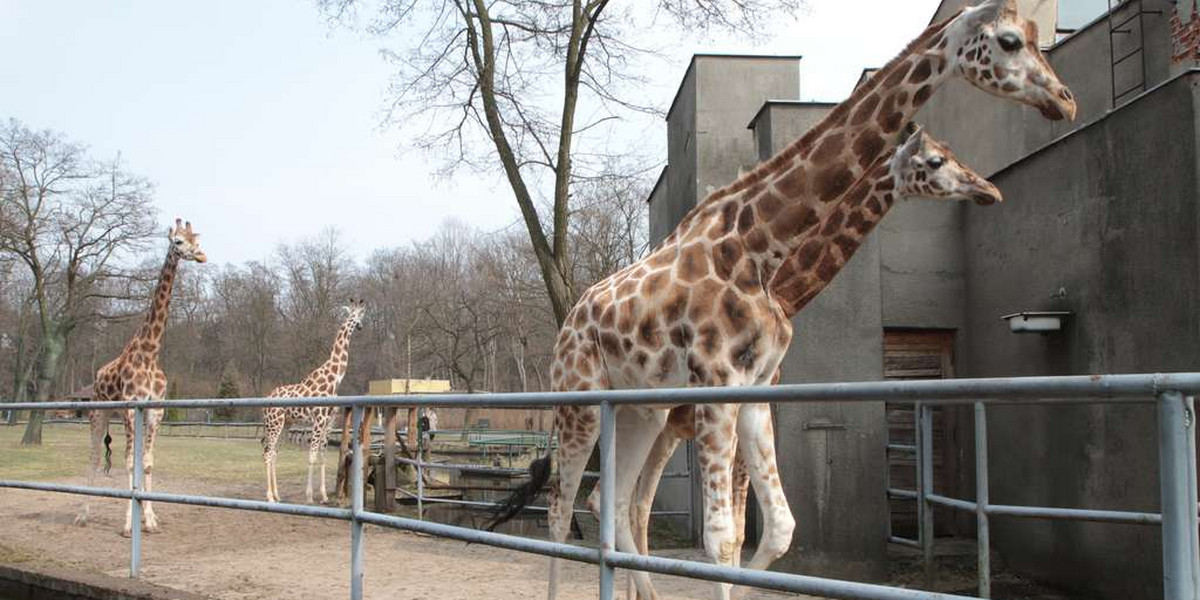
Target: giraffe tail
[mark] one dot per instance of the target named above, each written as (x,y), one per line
(107,453)
(522,496)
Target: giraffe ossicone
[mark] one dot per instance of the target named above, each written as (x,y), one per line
(135,375)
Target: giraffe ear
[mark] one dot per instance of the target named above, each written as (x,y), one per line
(914,142)
(989,11)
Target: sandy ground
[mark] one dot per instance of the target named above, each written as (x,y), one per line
(241,555)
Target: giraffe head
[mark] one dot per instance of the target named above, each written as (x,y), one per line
(997,51)
(354,313)
(185,242)
(922,166)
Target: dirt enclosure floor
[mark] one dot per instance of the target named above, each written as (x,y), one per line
(237,555)
(240,555)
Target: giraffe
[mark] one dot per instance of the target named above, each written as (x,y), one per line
(135,375)
(323,381)
(922,167)
(697,310)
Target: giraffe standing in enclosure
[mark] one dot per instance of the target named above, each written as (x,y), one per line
(697,310)
(920,167)
(323,381)
(135,375)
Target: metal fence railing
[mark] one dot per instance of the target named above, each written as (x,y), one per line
(1169,393)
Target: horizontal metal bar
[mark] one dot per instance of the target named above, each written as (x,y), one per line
(955,503)
(1076,514)
(302,510)
(578,511)
(1120,24)
(667,475)
(786,582)
(497,540)
(1127,57)
(1043,512)
(902,447)
(1138,87)
(899,493)
(903,541)
(476,503)
(82,490)
(460,466)
(1037,390)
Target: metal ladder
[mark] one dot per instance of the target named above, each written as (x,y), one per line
(1126,26)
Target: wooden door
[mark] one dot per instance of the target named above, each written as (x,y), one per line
(916,354)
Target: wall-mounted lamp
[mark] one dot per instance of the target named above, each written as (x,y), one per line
(1036,321)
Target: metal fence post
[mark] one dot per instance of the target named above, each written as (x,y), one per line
(1177,480)
(420,471)
(135,532)
(982,497)
(608,483)
(924,416)
(356,507)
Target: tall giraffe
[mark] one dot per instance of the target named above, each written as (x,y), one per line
(323,381)
(921,167)
(135,375)
(697,311)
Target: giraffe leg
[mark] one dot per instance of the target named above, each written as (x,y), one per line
(127,418)
(274,420)
(343,479)
(715,445)
(660,454)
(154,418)
(757,446)
(322,442)
(313,451)
(98,425)
(637,431)
(575,446)
(741,489)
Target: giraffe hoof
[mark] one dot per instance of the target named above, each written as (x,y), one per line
(127,532)
(81,520)
(152,528)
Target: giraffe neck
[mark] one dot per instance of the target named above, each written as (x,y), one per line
(339,358)
(148,338)
(837,234)
(777,205)
(824,162)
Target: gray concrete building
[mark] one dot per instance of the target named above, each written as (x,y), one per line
(1100,219)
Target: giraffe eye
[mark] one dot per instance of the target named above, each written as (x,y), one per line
(178,242)
(936,162)
(1009,41)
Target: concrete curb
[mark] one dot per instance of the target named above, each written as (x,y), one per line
(37,582)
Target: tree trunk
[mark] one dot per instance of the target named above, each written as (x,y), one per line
(47,372)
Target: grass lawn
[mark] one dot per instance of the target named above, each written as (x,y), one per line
(64,453)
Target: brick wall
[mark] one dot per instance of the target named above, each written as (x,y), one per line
(1185,32)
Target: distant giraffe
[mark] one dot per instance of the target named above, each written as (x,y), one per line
(135,375)
(321,382)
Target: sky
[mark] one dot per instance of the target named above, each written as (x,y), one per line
(261,123)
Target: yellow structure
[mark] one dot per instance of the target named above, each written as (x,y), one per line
(391,387)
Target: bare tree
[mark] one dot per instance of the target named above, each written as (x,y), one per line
(512,75)
(317,273)
(71,223)
(609,226)
(248,305)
